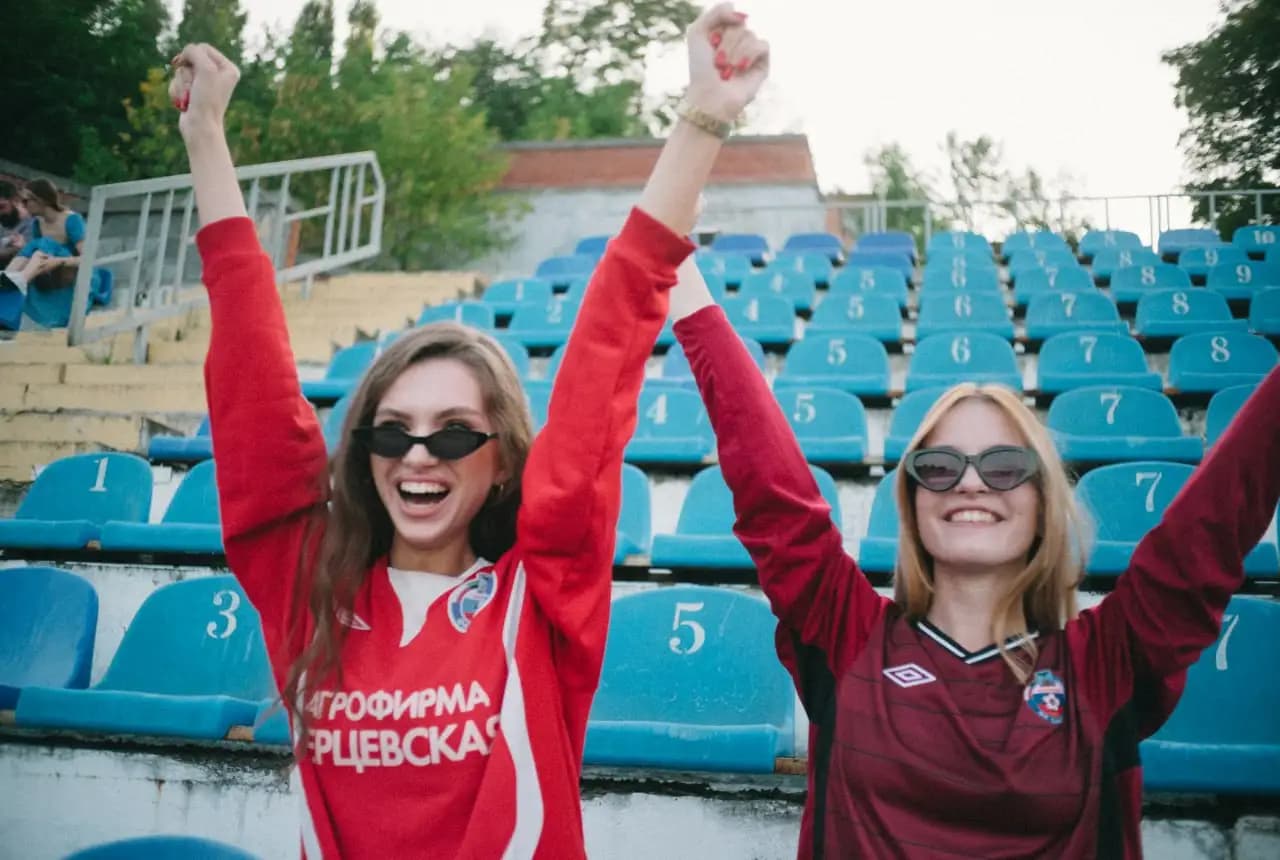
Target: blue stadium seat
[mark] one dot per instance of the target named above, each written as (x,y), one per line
(957,240)
(1033,240)
(1110,260)
(475,314)
(816,265)
(1070,361)
(1096,241)
(11,302)
(192,664)
(675,367)
(906,419)
(1131,283)
(1209,362)
(1126,500)
(691,682)
(753,245)
(855,280)
(888,240)
(823,243)
(1198,261)
(1243,280)
(979,356)
(870,314)
(634,532)
(48,621)
(71,498)
(1112,424)
(1028,261)
(704,533)
(963,312)
(1052,280)
(830,424)
(1223,407)
(539,396)
(592,246)
(190,523)
(729,268)
(1224,738)
(515,350)
(1256,240)
(947,280)
(1173,313)
(1174,242)
(769,320)
(1051,314)
(163,848)
(561,270)
(855,363)
(898,260)
(182,449)
(672,427)
(1264,313)
(544,326)
(332,425)
(506,296)
(271,725)
(343,374)
(796,287)
(955,258)
(878,551)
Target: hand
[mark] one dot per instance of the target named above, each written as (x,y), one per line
(201,88)
(727,62)
(40,264)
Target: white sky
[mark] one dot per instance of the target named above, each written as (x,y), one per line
(1072,88)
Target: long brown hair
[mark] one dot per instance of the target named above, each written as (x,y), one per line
(358,530)
(46,192)
(1045,588)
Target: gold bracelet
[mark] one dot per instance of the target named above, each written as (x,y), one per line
(699,118)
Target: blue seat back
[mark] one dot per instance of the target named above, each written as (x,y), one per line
(675,367)
(906,418)
(887,240)
(1223,406)
(48,621)
(856,312)
(898,260)
(557,269)
(958,240)
(1092,352)
(1041,258)
(191,638)
(751,244)
(1227,701)
(1264,312)
(796,287)
(1096,241)
(729,268)
(519,290)
(693,655)
(883,522)
(749,311)
(949,279)
(203,429)
(666,412)
(1244,278)
(825,243)
(539,398)
(517,351)
(816,265)
(334,420)
(351,362)
(635,517)
(1055,279)
(964,311)
(972,356)
(1198,261)
(1177,241)
(592,246)
(554,315)
(1081,310)
(954,258)
(871,279)
(815,412)
(1033,240)
(1254,238)
(1114,410)
(836,355)
(1127,500)
(93,487)
(1130,283)
(1181,307)
(708,506)
(163,848)
(196,499)
(1109,260)
(475,314)
(1226,356)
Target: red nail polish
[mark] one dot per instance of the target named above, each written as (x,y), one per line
(721,58)
(726,73)
(744,65)
(715,39)
(185,102)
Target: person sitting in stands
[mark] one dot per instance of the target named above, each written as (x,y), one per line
(15,223)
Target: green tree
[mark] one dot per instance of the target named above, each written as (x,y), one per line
(217,22)
(1229,84)
(895,178)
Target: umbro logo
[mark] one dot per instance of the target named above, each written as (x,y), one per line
(909,675)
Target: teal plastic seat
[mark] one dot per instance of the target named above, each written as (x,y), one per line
(190,523)
(48,621)
(70,499)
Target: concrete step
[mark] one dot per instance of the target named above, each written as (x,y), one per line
(24,374)
(307,348)
(120,432)
(18,460)
(15,352)
(118,399)
(134,374)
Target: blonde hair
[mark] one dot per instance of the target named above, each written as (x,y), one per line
(1045,588)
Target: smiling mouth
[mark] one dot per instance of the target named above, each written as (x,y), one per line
(422,492)
(973,517)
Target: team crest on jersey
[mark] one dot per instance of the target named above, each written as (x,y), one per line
(469,598)
(1046,695)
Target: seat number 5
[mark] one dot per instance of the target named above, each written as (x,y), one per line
(232,600)
(695,629)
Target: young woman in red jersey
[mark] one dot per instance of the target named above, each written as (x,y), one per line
(434,605)
(977,713)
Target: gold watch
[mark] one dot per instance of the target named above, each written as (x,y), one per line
(696,116)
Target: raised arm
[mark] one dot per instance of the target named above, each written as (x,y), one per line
(815,588)
(271,461)
(1167,608)
(572,482)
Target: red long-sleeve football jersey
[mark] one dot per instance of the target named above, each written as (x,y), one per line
(466,741)
(920,749)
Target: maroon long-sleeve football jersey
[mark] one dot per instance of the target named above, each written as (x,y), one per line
(920,749)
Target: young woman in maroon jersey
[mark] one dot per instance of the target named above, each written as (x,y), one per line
(434,606)
(977,714)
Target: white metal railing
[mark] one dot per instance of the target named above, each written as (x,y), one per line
(281,197)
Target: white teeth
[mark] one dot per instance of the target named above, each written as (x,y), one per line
(422,487)
(971,516)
